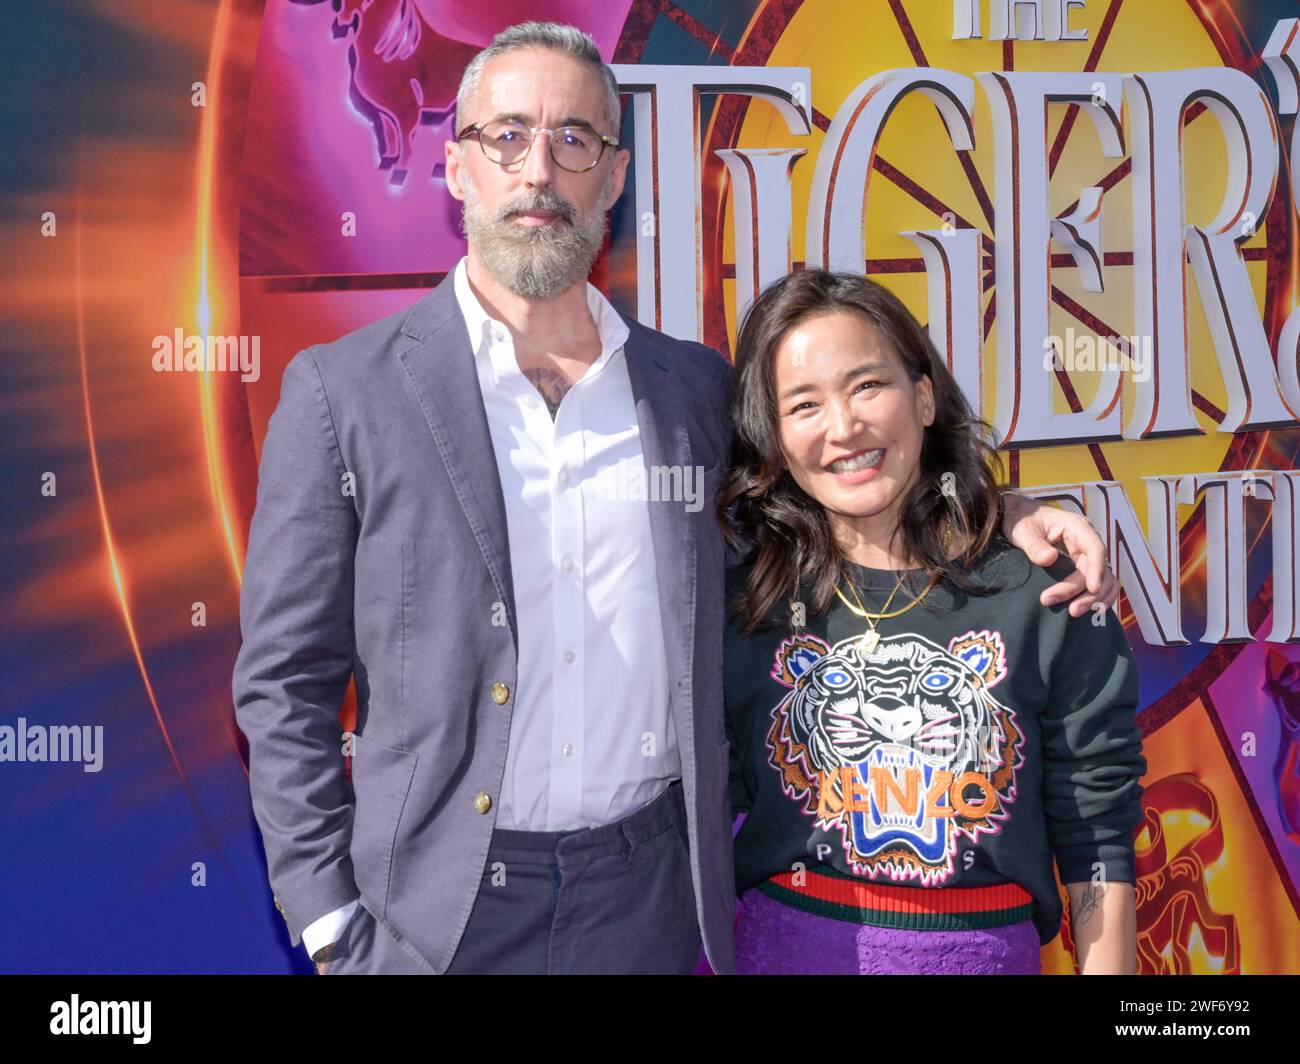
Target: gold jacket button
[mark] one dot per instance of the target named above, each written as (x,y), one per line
(278,907)
(500,692)
(482,802)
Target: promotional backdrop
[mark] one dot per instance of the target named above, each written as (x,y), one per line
(1092,206)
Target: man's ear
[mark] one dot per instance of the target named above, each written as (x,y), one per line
(451,159)
(619,176)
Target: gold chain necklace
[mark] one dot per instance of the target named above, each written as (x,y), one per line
(870,639)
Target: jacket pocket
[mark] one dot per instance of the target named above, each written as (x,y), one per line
(381,781)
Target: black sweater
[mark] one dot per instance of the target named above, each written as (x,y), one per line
(982,737)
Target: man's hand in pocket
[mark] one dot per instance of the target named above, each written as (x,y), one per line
(322,957)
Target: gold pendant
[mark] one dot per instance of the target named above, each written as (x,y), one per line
(869,641)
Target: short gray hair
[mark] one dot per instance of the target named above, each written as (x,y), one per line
(557,36)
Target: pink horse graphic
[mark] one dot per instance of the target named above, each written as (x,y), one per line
(404,73)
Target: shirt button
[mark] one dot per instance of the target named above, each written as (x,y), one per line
(530,401)
(568,656)
(566,565)
(567,750)
(482,802)
(563,478)
(500,692)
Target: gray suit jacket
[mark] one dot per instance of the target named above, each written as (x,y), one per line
(379,547)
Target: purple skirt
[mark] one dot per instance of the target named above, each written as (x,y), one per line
(777,939)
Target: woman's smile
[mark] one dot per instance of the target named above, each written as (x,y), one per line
(858,467)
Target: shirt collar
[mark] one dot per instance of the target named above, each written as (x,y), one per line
(611,327)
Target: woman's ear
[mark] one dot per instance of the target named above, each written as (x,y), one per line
(927,400)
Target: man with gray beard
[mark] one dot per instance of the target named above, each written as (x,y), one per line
(539,767)
(540,262)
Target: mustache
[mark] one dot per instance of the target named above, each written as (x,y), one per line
(546,199)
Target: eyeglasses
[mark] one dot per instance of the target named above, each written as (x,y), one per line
(506,142)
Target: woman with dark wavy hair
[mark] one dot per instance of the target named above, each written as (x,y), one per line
(914,735)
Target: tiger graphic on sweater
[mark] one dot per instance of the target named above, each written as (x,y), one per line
(902,748)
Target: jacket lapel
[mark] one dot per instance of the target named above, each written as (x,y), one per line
(440,366)
(659,394)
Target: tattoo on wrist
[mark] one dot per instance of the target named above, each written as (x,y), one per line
(1089,902)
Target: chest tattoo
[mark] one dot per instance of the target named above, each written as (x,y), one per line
(550,384)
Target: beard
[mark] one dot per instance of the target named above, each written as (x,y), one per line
(535,262)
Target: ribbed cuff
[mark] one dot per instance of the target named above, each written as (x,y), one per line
(1076,864)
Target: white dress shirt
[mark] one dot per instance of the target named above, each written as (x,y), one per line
(591,732)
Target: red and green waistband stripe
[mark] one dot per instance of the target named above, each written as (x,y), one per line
(887,905)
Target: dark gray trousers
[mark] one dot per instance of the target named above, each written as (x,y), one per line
(607,900)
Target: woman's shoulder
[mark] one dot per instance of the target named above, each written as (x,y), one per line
(1010,567)
(1025,581)
(1003,565)
(737,585)
(738,574)
(737,580)
(1004,578)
